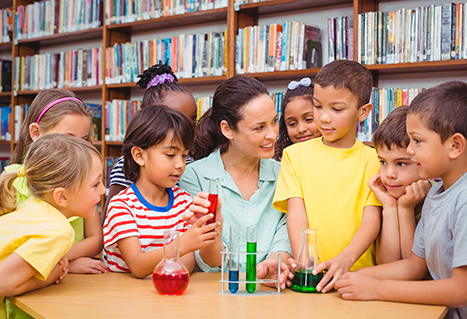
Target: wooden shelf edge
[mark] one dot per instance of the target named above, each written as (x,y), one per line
(5,94)
(77,35)
(3,142)
(185,81)
(171,21)
(279,6)
(428,66)
(284,75)
(112,143)
(83,89)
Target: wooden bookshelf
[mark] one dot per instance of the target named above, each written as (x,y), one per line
(186,81)
(284,75)
(282,6)
(59,38)
(431,66)
(2,142)
(186,19)
(5,46)
(83,89)
(5,95)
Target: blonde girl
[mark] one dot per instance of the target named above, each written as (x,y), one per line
(64,176)
(60,111)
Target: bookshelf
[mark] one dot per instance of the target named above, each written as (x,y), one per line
(234,17)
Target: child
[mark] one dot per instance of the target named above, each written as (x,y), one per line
(398,188)
(60,111)
(64,175)
(154,151)
(323,183)
(436,124)
(161,87)
(296,123)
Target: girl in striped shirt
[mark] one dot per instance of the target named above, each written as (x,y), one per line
(154,150)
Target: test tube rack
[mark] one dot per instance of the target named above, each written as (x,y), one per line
(243,282)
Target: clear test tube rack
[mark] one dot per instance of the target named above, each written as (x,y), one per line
(240,282)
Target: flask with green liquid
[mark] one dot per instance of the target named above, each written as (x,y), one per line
(308,259)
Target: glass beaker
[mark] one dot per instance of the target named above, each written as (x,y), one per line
(170,276)
(308,259)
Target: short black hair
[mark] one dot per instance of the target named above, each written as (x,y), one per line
(150,126)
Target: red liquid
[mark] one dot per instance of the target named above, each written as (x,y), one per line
(170,284)
(212,208)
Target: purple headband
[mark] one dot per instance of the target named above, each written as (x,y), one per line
(55,102)
(160,79)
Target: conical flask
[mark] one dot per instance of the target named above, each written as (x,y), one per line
(170,276)
(308,259)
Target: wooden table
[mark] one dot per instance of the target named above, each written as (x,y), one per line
(116,295)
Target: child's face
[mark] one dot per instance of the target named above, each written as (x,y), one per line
(182,102)
(256,133)
(163,164)
(397,170)
(426,149)
(83,202)
(73,124)
(298,115)
(337,115)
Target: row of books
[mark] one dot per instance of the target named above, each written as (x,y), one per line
(276,47)
(277,98)
(4,161)
(194,55)
(384,101)
(5,75)
(430,33)
(118,113)
(76,68)
(203,104)
(5,111)
(126,11)
(57,16)
(340,38)
(5,24)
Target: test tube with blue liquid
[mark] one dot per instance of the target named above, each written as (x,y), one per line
(234,259)
(251,237)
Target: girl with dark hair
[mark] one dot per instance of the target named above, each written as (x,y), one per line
(234,144)
(161,87)
(154,150)
(296,123)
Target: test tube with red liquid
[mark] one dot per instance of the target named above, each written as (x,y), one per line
(213,196)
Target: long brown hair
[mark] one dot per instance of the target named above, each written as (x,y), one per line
(50,118)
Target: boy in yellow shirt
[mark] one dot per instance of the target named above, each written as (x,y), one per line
(323,183)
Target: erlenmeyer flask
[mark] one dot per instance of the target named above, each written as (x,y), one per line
(308,259)
(170,276)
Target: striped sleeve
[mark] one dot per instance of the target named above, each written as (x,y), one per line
(120,222)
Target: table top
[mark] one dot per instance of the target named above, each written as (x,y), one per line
(118,295)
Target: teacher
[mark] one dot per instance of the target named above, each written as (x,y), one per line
(234,143)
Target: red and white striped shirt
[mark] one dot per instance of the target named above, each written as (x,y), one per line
(129,214)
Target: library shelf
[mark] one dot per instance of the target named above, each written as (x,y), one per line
(281,6)
(192,18)
(284,75)
(4,95)
(186,81)
(113,143)
(60,38)
(5,142)
(5,46)
(429,66)
(83,89)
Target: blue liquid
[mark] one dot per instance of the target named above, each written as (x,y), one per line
(251,267)
(233,276)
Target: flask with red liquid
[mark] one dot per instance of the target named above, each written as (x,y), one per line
(170,276)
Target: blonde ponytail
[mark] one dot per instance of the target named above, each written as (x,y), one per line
(8,193)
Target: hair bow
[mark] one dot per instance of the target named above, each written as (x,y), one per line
(160,79)
(303,82)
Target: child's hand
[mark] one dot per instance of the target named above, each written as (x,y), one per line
(267,269)
(414,194)
(199,235)
(60,270)
(199,208)
(335,268)
(381,192)
(353,286)
(86,265)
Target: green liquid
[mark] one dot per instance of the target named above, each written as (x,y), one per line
(305,281)
(251,267)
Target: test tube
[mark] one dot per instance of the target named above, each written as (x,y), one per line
(234,259)
(251,258)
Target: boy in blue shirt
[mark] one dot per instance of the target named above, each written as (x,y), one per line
(437,127)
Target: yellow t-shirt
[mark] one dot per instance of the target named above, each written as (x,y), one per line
(38,233)
(23,193)
(334,186)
